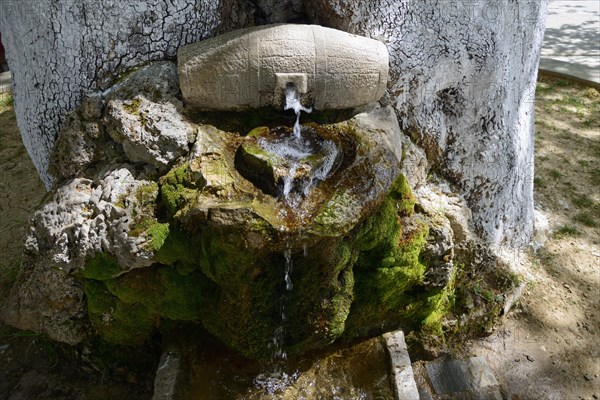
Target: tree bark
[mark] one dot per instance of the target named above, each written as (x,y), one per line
(462,81)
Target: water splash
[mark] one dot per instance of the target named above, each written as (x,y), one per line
(296,149)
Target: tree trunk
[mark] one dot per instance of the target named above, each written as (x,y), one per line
(463,75)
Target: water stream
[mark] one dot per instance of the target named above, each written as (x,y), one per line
(298,149)
(295,149)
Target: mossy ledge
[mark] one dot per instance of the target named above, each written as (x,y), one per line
(346,287)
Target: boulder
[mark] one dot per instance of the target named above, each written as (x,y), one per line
(151,133)
(141,123)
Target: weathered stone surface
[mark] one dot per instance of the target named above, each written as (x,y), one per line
(250,68)
(448,376)
(438,253)
(95,229)
(439,198)
(168,374)
(155,134)
(81,143)
(156,81)
(470,378)
(142,117)
(47,299)
(401,369)
(414,163)
(371,160)
(86,217)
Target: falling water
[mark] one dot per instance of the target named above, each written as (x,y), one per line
(296,148)
(292,102)
(277,379)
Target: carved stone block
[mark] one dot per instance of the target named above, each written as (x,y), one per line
(250,68)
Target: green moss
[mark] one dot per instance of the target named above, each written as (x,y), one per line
(99,299)
(164,292)
(157,235)
(179,248)
(102,266)
(403,194)
(347,287)
(388,273)
(322,296)
(222,258)
(115,321)
(146,194)
(133,106)
(333,217)
(126,309)
(176,188)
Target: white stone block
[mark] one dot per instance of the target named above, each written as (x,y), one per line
(402,372)
(249,68)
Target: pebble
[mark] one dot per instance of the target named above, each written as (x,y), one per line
(588,377)
(4,347)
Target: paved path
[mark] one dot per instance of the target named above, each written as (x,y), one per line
(572,39)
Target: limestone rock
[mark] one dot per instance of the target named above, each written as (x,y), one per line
(82,142)
(86,217)
(152,133)
(49,300)
(414,163)
(370,160)
(95,229)
(142,118)
(438,253)
(250,68)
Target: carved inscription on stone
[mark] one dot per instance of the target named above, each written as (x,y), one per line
(249,68)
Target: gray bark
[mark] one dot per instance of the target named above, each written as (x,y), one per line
(462,75)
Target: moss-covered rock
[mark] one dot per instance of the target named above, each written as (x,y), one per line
(352,246)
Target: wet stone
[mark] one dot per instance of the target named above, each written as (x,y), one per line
(279,162)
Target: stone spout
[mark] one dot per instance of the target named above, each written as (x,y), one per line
(250,68)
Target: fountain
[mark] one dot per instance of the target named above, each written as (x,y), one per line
(179,219)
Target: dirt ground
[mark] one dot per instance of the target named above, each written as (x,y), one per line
(548,348)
